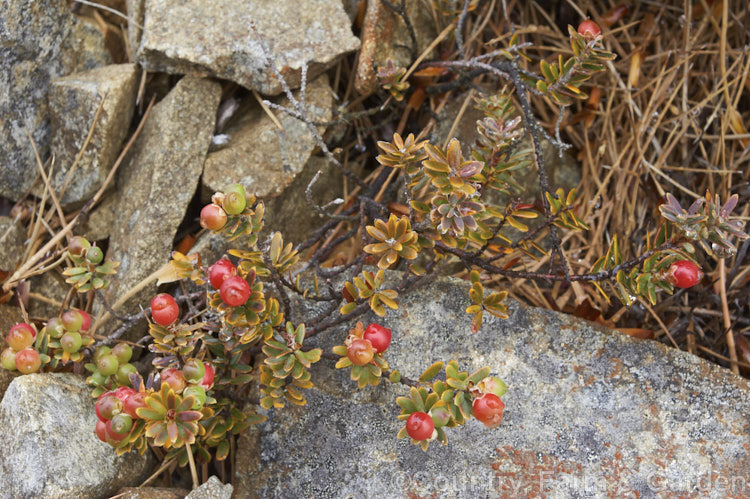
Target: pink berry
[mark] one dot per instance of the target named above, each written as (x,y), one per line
(213,217)
(78,245)
(101,431)
(420,426)
(85,322)
(174,378)
(107,406)
(234,291)
(28,361)
(72,320)
(589,29)
(123,392)
(360,352)
(379,336)
(488,409)
(219,271)
(684,274)
(164,309)
(134,402)
(20,336)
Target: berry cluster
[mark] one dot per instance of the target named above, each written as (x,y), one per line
(111,368)
(363,351)
(20,354)
(214,216)
(89,270)
(233,289)
(116,411)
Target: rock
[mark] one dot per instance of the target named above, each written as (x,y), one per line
(216,39)
(157,182)
(49,447)
(291,214)
(262,157)
(41,41)
(151,493)
(12,238)
(9,317)
(136,11)
(52,286)
(212,489)
(385,36)
(73,102)
(98,225)
(589,412)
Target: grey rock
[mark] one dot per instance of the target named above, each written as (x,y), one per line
(216,39)
(291,214)
(136,11)
(74,101)
(589,413)
(12,237)
(262,157)
(98,225)
(212,489)
(49,447)
(385,36)
(157,182)
(41,40)
(52,286)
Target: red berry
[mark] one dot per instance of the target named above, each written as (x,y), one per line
(28,361)
(360,352)
(174,378)
(379,336)
(219,271)
(72,320)
(135,401)
(213,217)
(208,379)
(123,392)
(101,431)
(112,434)
(86,321)
(589,29)
(164,309)
(107,406)
(488,409)
(234,291)
(684,274)
(20,336)
(420,426)
(8,359)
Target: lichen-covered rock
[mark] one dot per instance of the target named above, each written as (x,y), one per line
(157,182)
(49,448)
(216,39)
(41,40)
(385,36)
(74,101)
(262,157)
(12,236)
(212,489)
(589,413)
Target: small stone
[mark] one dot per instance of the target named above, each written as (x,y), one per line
(262,157)
(385,36)
(50,450)
(217,39)
(12,236)
(74,101)
(157,182)
(41,41)
(212,489)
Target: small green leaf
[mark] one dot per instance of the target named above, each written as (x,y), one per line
(431,372)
